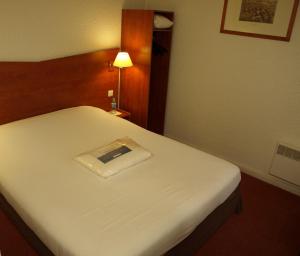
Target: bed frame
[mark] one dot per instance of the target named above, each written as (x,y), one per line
(32,88)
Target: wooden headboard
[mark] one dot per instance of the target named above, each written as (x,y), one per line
(32,88)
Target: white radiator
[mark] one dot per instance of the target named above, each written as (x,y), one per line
(286,163)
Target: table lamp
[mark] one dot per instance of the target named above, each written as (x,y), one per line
(122,61)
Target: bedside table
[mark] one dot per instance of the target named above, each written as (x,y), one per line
(122,113)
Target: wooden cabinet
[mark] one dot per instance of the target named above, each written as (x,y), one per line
(144,86)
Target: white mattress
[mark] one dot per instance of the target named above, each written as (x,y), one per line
(144,210)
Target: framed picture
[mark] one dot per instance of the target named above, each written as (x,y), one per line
(269,19)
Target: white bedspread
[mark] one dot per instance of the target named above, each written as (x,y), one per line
(144,210)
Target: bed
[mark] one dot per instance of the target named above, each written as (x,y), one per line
(169,204)
(144,210)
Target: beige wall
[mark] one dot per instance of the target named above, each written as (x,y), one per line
(232,96)
(40,29)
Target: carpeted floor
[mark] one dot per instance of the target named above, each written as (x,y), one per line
(268,225)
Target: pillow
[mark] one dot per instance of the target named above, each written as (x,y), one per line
(161,22)
(114,157)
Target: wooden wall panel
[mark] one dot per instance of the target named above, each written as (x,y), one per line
(144,86)
(32,88)
(137,41)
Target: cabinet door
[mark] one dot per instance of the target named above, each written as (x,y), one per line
(137,27)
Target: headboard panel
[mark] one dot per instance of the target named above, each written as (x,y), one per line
(32,88)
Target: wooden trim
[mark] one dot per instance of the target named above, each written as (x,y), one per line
(292,20)
(280,38)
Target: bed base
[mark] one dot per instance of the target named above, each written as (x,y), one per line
(187,247)
(208,226)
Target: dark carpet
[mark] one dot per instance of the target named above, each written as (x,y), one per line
(268,225)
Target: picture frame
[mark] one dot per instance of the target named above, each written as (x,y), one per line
(267,19)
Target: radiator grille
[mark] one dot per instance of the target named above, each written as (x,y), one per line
(286,163)
(288,152)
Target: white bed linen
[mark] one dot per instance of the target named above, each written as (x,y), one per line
(144,210)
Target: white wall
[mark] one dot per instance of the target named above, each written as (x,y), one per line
(41,29)
(229,95)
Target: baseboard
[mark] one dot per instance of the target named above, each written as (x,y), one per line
(271,180)
(259,174)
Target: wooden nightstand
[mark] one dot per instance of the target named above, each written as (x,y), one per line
(123,114)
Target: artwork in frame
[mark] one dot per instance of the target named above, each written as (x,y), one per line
(269,19)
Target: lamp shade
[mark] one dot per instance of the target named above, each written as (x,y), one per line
(123,60)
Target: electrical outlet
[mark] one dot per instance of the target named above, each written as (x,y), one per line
(110,93)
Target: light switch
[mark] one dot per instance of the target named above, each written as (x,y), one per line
(110,93)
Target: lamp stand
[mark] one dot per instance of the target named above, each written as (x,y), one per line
(119,87)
